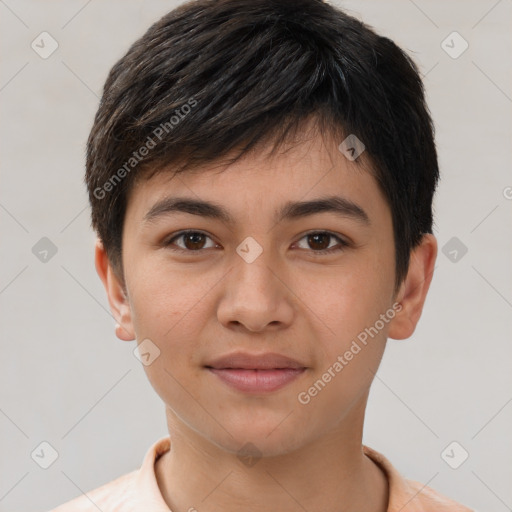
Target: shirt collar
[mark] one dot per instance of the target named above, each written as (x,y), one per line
(148,493)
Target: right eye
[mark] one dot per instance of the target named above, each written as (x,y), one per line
(193,241)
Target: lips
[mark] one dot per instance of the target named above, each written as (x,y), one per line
(251,373)
(245,361)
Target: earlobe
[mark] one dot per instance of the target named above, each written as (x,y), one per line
(117,297)
(123,334)
(414,289)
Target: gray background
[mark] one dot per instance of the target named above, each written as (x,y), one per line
(66,379)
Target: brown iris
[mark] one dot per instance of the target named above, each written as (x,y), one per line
(194,241)
(313,240)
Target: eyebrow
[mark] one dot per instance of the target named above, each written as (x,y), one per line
(339,205)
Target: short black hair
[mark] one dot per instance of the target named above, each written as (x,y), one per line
(212,76)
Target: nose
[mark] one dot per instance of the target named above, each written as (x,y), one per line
(255,297)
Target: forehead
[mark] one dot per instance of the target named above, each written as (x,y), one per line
(262,182)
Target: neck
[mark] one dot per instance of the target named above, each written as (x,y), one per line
(330,474)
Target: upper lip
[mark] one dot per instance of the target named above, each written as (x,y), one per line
(246,361)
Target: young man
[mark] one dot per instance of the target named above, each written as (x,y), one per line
(261,175)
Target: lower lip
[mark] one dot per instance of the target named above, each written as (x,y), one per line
(257,381)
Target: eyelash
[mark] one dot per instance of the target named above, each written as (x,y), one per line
(342,243)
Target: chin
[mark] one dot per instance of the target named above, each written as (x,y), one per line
(267,436)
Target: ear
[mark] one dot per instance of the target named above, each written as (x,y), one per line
(413,292)
(116,293)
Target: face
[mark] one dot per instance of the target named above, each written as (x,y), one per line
(270,316)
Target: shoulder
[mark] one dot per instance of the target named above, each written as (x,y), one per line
(110,497)
(137,490)
(430,499)
(411,496)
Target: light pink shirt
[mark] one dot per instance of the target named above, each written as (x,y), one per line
(138,491)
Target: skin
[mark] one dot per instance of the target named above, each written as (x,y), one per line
(197,306)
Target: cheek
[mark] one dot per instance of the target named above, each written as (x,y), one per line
(351,351)
(350,307)
(345,302)
(165,300)
(172,309)
(167,309)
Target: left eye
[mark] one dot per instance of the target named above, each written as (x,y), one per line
(319,241)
